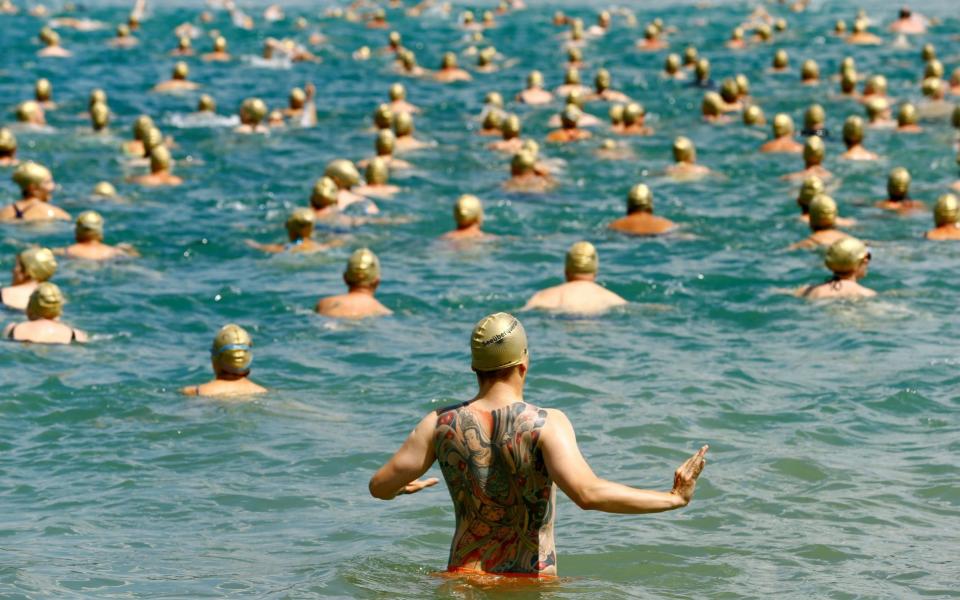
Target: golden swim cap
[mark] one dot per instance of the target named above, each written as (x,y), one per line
(811,188)
(845,255)
(408,59)
(823,213)
(639,199)
(493,119)
(690,55)
(875,84)
(493,99)
(510,127)
(946,211)
(99,115)
(183,42)
(780,24)
(253,110)
(934,68)
(743,85)
(29,173)
(43,90)
(231,350)
(764,32)
(712,105)
(522,162)
(141,126)
(702,69)
(8,141)
(729,90)
(651,32)
(378,172)
(449,61)
(840,26)
(632,113)
(814,118)
(876,108)
(570,116)
(159,159)
(383,116)
(394,38)
(343,173)
(809,70)
(737,34)
(929,52)
(602,80)
(616,114)
(848,81)
(467,210)
(104,189)
(97,96)
(531,146)
(535,79)
(397,92)
(497,342)
(931,87)
(853,130)
(608,144)
(89,226)
(485,57)
(780,59)
(39,264)
(782,125)
(300,222)
(324,193)
(363,269)
(813,151)
(27,111)
(859,25)
(672,64)
(575,98)
(386,142)
(848,64)
(207,104)
(753,115)
(403,124)
(47,35)
(181,70)
(298,98)
(220,44)
(898,183)
(574,55)
(151,140)
(684,150)
(46,302)
(582,259)
(572,76)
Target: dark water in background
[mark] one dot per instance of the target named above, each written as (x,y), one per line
(833,429)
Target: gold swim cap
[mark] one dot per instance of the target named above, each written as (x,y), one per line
(497,342)
(782,125)
(324,193)
(383,116)
(408,59)
(485,57)
(141,126)
(493,99)
(823,213)
(602,80)
(929,52)
(712,105)
(811,188)
(684,150)
(43,90)
(27,111)
(875,84)
(343,173)
(97,96)
(467,210)
(840,26)
(300,222)
(47,35)
(378,172)
(737,35)
(46,302)
(702,69)
(253,110)
(845,255)
(220,44)
(522,162)
(898,183)
(151,140)
(651,32)
(105,189)
(8,141)
(575,98)
(632,113)
(809,70)
(859,25)
(403,124)
(931,86)
(493,119)
(89,226)
(813,151)
(363,269)
(946,211)
(877,107)
(231,350)
(780,24)
(535,79)
(159,159)
(934,68)
(397,92)
(853,130)
(29,174)
(616,114)
(690,55)
(582,259)
(449,61)
(99,115)
(814,118)
(639,199)
(183,42)
(207,104)
(729,90)
(298,98)
(764,32)
(672,64)
(848,64)
(181,70)
(753,115)
(510,127)
(572,76)
(394,38)
(574,55)
(386,142)
(743,85)
(39,264)
(780,59)
(848,81)
(570,116)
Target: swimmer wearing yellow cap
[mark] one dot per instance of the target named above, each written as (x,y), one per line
(219,53)
(178,81)
(43,94)
(634,120)
(491,121)
(51,45)
(449,72)
(160,170)
(603,91)
(569,132)
(184,47)
(345,175)
(580,294)
(362,277)
(652,41)
(898,193)
(879,114)
(403,128)
(468,214)
(8,148)
(860,35)
(874,87)
(385,145)
(398,100)
(301,106)
(685,165)
(534,93)
(88,235)
(377,19)
(377,176)
(29,112)
(511,142)
(526,175)
(123,38)
(783,133)
(36,191)
(946,213)
(518,454)
(571,84)
(823,221)
(141,126)
(230,355)
(813,154)
(907,119)
(31,267)
(640,219)
(300,225)
(43,325)
(252,112)
(848,258)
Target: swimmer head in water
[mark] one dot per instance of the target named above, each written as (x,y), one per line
(46,302)
(581,260)
(231,351)
(497,342)
(343,173)
(467,210)
(35,264)
(89,227)
(363,269)
(34,179)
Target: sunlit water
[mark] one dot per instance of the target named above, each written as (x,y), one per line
(833,429)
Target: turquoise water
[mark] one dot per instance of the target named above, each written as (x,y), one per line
(833,428)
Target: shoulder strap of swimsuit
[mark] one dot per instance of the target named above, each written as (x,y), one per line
(12,329)
(17,211)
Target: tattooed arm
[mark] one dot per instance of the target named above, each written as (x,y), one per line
(574,476)
(399,475)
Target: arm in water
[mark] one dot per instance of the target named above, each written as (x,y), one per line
(574,476)
(415,456)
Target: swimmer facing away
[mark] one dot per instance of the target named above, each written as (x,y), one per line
(31,267)
(468,214)
(362,277)
(43,325)
(230,356)
(848,258)
(640,219)
(300,225)
(89,241)
(580,294)
(946,213)
(500,458)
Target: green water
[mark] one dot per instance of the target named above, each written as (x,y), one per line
(833,429)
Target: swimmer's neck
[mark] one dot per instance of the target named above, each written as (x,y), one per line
(501,392)
(471,227)
(364,290)
(224,376)
(591,277)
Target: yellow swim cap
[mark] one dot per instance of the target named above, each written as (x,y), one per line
(99,116)
(39,264)
(89,226)
(522,162)
(811,188)
(8,141)
(602,80)
(220,44)
(712,105)
(570,116)
(397,92)
(27,111)
(853,130)
(449,60)
(535,79)
(151,140)
(907,115)
(383,116)
(753,115)
(403,124)
(931,86)
(183,42)
(493,119)
(898,183)
(467,210)
(702,69)
(946,211)
(690,55)
(780,59)
(729,90)
(231,350)
(343,173)
(876,84)
(378,172)
(300,222)
(844,256)
(639,199)
(510,128)
(46,302)
(813,151)
(809,70)
(876,107)
(672,64)
(324,193)
(780,24)
(743,85)
(782,125)
(363,269)
(859,25)
(253,110)
(531,146)
(28,174)
(159,159)
(823,213)
(929,52)
(181,70)
(43,90)
(498,342)
(934,68)
(97,96)
(616,114)
(814,117)
(683,150)
(386,142)
(104,189)
(394,38)
(582,259)
(141,126)
(840,26)
(206,103)
(493,99)
(632,113)
(848,81)
(572,76)
(298,98)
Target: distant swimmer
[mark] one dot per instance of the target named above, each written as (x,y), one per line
(603,91)
(500,458)
(302,107)
(345,175)
(946,213)
(377,180)
(640,219)
(99,117)
(815,122)
(813,154)
(449,72)
(898,193)
(123,38)
(36,190)
(29,113)
(534,92)
(879,114)
(89,245)
(362,277)
(8,148)
(511,142)
(651,39)
(178,82)
(823,224)
(525,175)
(219,53)
(252,113)
(403,129)
(672,67)
(580,294)
(861,36)
(43,94)
(848,258)
(32,267)
(385,145)
(712,108)
(571,84)
(300,225)
(468,215)
(398,100)
(206,105)
(809,72)
(141,125)
(569,132)
(908,23)
(160,170)
(184,47)
(230,356)
(634,121)
(783,141)
(753,116)
(685,165)
(43,324)
(51,45)
(853,139)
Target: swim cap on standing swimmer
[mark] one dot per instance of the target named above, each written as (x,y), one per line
(300,222)
(823,213)
(898,183)
(811,188)
(581,259)
(363,269)
(397,92)
(231,351)
(46,302)
(324,193)
(467,210)
(297,98)
(29,174)
(683,150)
(498,341)
(639,199)
(181,71)
(89,226)
(946,211)
(845,256)
(39,264)
(343,173)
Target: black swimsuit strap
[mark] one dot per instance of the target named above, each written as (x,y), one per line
(12,329)
(18,212)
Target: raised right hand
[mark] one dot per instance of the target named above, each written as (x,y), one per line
(685,477)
